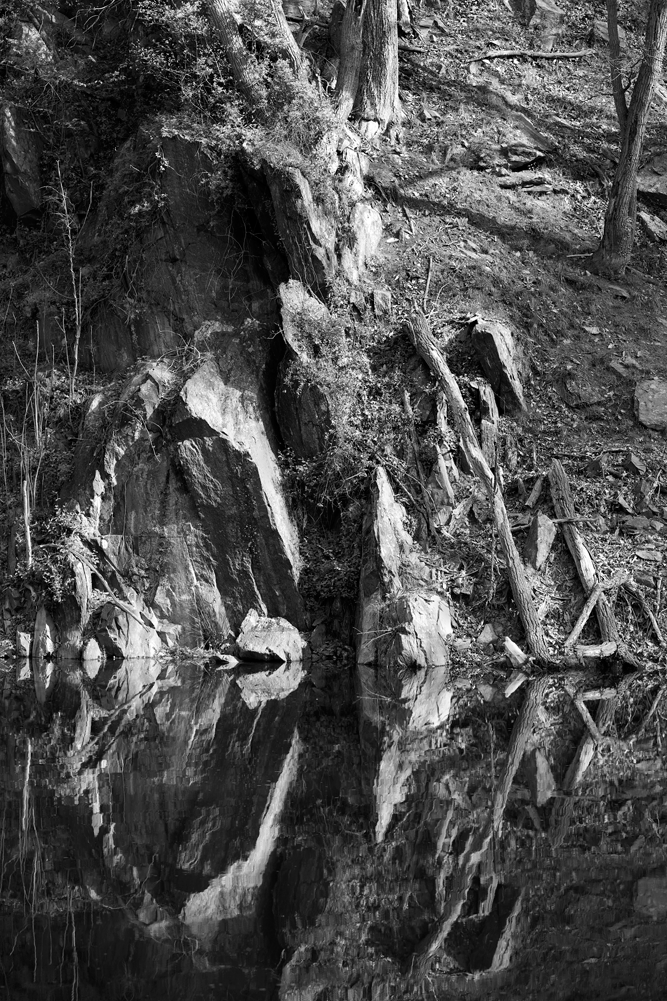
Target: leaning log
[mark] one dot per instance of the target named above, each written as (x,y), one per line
(563,502)
(425,344)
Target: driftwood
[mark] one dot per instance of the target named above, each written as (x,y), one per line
(591,602)
(480,843)
(530,54)
(564,505)
(534,494)
(489,422)
(428,349)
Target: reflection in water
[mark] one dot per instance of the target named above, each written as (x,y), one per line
(136,865)
(194,831)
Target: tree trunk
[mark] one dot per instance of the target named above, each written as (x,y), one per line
(285,39)
(613,254)
(615,66)
(351,51)
(377,101)
(242,63)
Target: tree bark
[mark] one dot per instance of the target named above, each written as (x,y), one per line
(351,52)
(615,66)
(613,254)
(243,64)
(377,103)
(286,39)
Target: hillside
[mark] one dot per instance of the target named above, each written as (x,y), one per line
(334,513)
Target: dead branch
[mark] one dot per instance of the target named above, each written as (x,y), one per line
(561,495)
(618,578)
(426,346)
(531,54)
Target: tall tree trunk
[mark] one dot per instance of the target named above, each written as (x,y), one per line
(351,52)
(613,254)
(615,66)
(377,101)
(242,63)
(285,38)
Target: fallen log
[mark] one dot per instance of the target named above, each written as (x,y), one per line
(426,346)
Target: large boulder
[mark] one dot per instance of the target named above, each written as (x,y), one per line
(231,474)
(263,638)
(127,633)
(501,362)
(652,179)
(183,489)
(651,403)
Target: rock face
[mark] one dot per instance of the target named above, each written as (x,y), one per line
(232,475)
(125,634)
(651,404)
(187,490)
(305,227)
(303,402)
(499,357)
(192,272)
(20,149)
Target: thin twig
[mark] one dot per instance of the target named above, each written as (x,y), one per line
(651,713)
(428,283)
(632,589)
